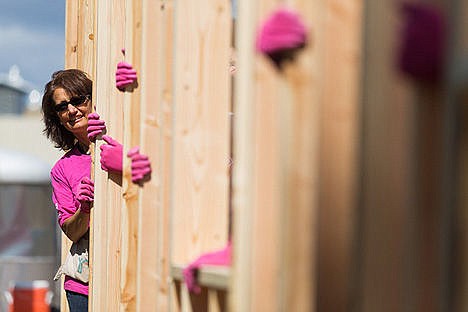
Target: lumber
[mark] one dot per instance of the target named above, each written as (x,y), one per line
(79,53)
(201,130)
(386,199)
(338,54)
(274,197)
(108,190)
(131,191)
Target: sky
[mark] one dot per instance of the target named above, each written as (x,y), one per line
(32,36)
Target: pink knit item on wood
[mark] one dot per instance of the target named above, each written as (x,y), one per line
(423,42)
(141,165)
(281,31)
(125,75)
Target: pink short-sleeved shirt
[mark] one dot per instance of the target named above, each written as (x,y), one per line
(66,176)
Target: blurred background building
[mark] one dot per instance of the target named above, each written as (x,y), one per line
(29,237)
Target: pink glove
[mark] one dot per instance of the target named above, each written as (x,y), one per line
(85,194)
(96,126)
(422,48)
(221,257)
(111,155)
(124,76)
(283,30)
(141,166)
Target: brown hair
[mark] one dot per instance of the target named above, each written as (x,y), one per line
(75,83)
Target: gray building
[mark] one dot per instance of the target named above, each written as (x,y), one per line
(15,93)
(29,235)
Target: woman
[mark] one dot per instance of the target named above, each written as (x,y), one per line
(65,106)
(69,123)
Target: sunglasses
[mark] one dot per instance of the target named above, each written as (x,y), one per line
(75,101)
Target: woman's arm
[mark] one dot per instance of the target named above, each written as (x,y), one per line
(73,210)
(77,225)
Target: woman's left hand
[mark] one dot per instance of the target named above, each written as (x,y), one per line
(85,194)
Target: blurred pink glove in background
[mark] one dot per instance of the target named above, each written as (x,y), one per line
(423,42)
(141,165)
(85,194)
(221,257)
(124,76)
(283,30)
(111,155)
(96,126)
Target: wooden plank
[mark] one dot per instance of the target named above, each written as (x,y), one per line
(267,210)
(155,83)
(460,302)
(79,53)
(300,103)
(214,283)
(113,114)
(458,13)
(200,185)
(243,148)
(130,216)
(427,199)
(216,277)
(216,300)
(86,62)
(266,139)
(71,42)
(71,33)
(387,199)
(258,150)
(338,49)
(98,228)
(164,166)
(201,128)
(85,48)
(107,212)
(433,262)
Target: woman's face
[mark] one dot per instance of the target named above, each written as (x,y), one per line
(72,111)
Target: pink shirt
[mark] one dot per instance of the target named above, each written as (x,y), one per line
(66,175)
